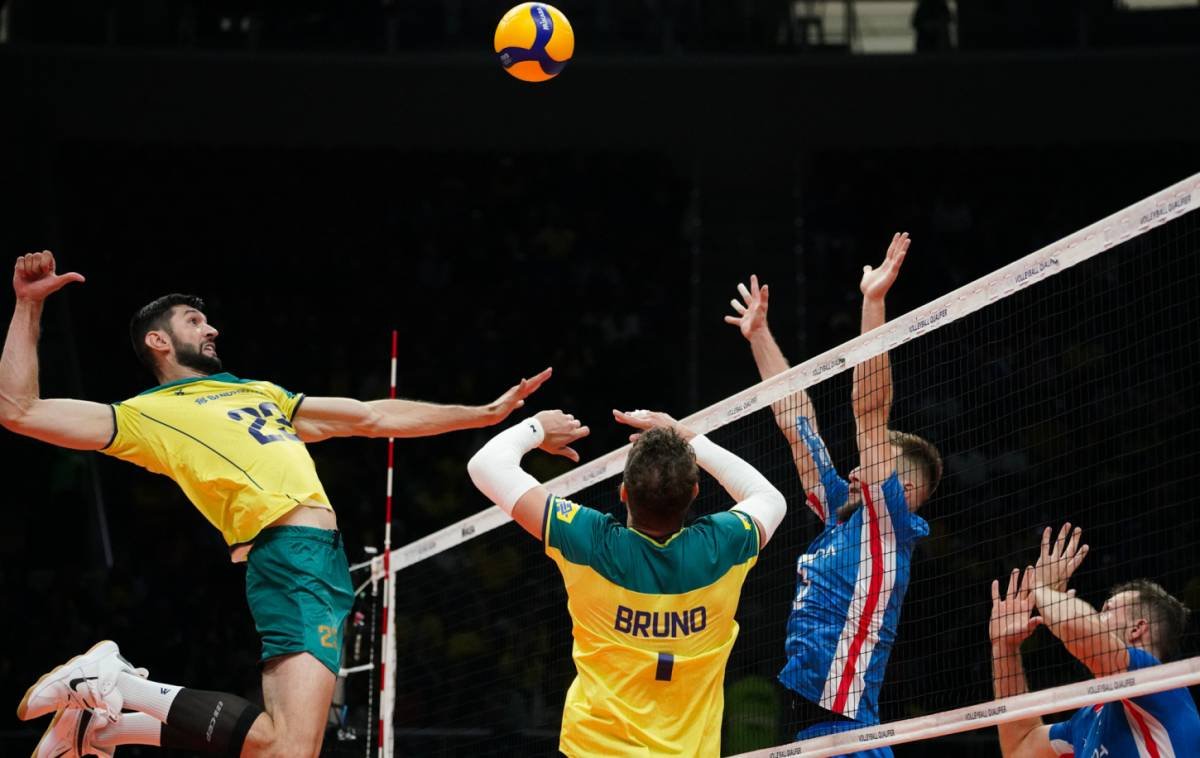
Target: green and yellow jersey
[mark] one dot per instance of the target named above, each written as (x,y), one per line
(653,627)
(228,443)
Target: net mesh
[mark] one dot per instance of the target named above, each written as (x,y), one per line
(1066,400)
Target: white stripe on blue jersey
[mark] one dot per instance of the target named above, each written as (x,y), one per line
(850,584)
(1161,725)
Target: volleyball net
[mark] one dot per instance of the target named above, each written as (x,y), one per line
(1061,387)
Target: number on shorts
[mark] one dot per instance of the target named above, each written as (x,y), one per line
(328,636)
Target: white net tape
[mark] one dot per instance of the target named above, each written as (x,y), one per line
(1154,211)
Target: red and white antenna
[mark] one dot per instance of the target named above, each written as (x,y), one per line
(387,659)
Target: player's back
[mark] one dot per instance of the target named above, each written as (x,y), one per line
(653,626)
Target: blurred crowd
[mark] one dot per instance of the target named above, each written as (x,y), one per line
(613,26)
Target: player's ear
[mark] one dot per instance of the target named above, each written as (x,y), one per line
(624,495)
(156,340)
(1140,630)
(695,491)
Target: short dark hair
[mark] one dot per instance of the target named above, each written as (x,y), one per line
(1168,616)
(661,475)
(919,455)
(156,315)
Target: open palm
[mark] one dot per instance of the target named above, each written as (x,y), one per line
(514,398)
(877,281)
(751,310)
(1011,622)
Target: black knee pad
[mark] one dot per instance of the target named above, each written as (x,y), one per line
(209,722)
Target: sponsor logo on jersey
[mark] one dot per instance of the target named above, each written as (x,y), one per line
(565,510)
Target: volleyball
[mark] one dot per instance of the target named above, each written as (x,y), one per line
(534,41)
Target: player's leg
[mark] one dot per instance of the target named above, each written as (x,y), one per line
(297,690)
(299,590)
(165,714)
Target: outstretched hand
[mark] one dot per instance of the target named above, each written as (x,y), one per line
(644,420)
(751,310)
(877,281)
(514,398)
(1011,624)
(1057,561)
(34,277)
(561,430)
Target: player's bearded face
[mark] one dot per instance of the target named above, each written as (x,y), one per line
(853,498)
(200,354)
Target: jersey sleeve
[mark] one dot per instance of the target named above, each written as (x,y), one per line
(1062,734)
(133,440)
(288,402)
(825,498)
(737,533)
(1140,659)
(1157,708)
(908,526)
(572,530)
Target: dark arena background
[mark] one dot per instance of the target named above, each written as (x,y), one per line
(325,172)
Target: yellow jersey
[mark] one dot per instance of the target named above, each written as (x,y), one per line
(228,443)
(653,628)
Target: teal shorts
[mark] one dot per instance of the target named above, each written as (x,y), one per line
(299,590)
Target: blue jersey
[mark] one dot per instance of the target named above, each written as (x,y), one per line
(849,587)
(1162,725)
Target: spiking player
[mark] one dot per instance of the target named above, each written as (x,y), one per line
(236,448)
(1139,626)
(852,579)
(651,601)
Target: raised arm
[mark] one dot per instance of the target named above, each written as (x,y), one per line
(74,424)
(1011,624)
(496,468)
(1074,622)
(751,320)
(320,418)
(753,495)
(871,396)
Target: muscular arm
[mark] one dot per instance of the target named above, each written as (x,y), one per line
(1024,738)
(871,396)
(320,418)
(496,468)
(871,399)
(1072,620)
(74,424)
(752,321)
(1079,628)
(1009,626)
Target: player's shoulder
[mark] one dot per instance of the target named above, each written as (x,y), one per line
(730,520)
(730,536)
(1140,659)
(567,512)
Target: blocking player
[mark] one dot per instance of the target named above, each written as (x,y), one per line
(852,578)
(237,449)
(1139,625)
(652,602)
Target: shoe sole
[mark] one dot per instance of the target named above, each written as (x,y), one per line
(23,708)
(49,731)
